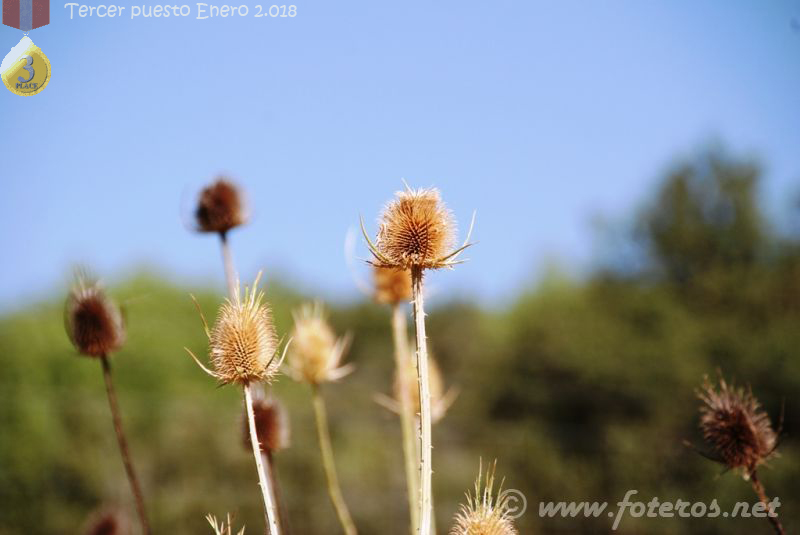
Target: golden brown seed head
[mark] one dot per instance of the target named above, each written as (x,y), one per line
(243,343)
(392,285)
(94,323)
(220,207)
(485,513)
(315,353)
(735,426)
(416,230)
(272,426)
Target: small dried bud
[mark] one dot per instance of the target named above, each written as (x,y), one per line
(220,207)
(107,523)
(735,426)
(94,323)
(485,513)
(315,354)
(416,230)
(272,426)
(441,400)
(392,285)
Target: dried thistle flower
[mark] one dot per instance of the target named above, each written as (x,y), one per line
(107,523)
(485,513)
(735,426)
(94,323)
(243,344)
(272,425)
(316,353)
(416,230)
(392,285)
(441,399)
(220,207)
(223,527)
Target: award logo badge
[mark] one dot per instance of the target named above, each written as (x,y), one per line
(25,69)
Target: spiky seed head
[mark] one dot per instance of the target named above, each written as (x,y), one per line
(441,400)
(272,425)
(316,353)
(735,426)
(243,344)
(416,230)
(392,285)
(220,207)
(485,513)
(94,323)
(107,523)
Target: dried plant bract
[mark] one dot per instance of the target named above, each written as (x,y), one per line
(220,207)
(94,323)
(485,513)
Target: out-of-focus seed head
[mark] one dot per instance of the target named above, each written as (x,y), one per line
(441,399)
(220,207)
(392,285)
(94,323)
(416,230)
(735,426)
(316,353)
(484,513)
(107,523)
(272,425)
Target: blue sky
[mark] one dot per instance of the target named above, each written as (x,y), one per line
(539,115)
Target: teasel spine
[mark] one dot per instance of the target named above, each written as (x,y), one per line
(123,445)
(407,417)
(328,463)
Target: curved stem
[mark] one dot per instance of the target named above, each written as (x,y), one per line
(334,490)
(426,470)
(230,270)
(762,496)
(402,360)
(123,445)
(263,481)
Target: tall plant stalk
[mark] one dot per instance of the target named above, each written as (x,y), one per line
(230,270)
(762,496)
(334,489)
(123,445)
(270,511)
(407,416)
(426,446)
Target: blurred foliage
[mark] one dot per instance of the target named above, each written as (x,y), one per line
(581,389)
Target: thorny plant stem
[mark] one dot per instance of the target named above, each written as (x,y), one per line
(230,270)
(283,517)
(407,417)
(426,470)
(762,496)
(334,490)
(123,445)
(263,481)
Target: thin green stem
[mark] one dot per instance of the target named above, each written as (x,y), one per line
(263,482)
(402,360)
(123,445)
(334,490)
(426,446)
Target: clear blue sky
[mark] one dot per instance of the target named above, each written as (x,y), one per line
(539,115)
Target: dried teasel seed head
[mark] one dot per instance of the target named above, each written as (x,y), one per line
(416,230)
(735,426)
(316,353)
(94,323)
(272,426)
(243,343)
(392,285)
(485,513)
(220,207)
(107,523)
(441,399)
